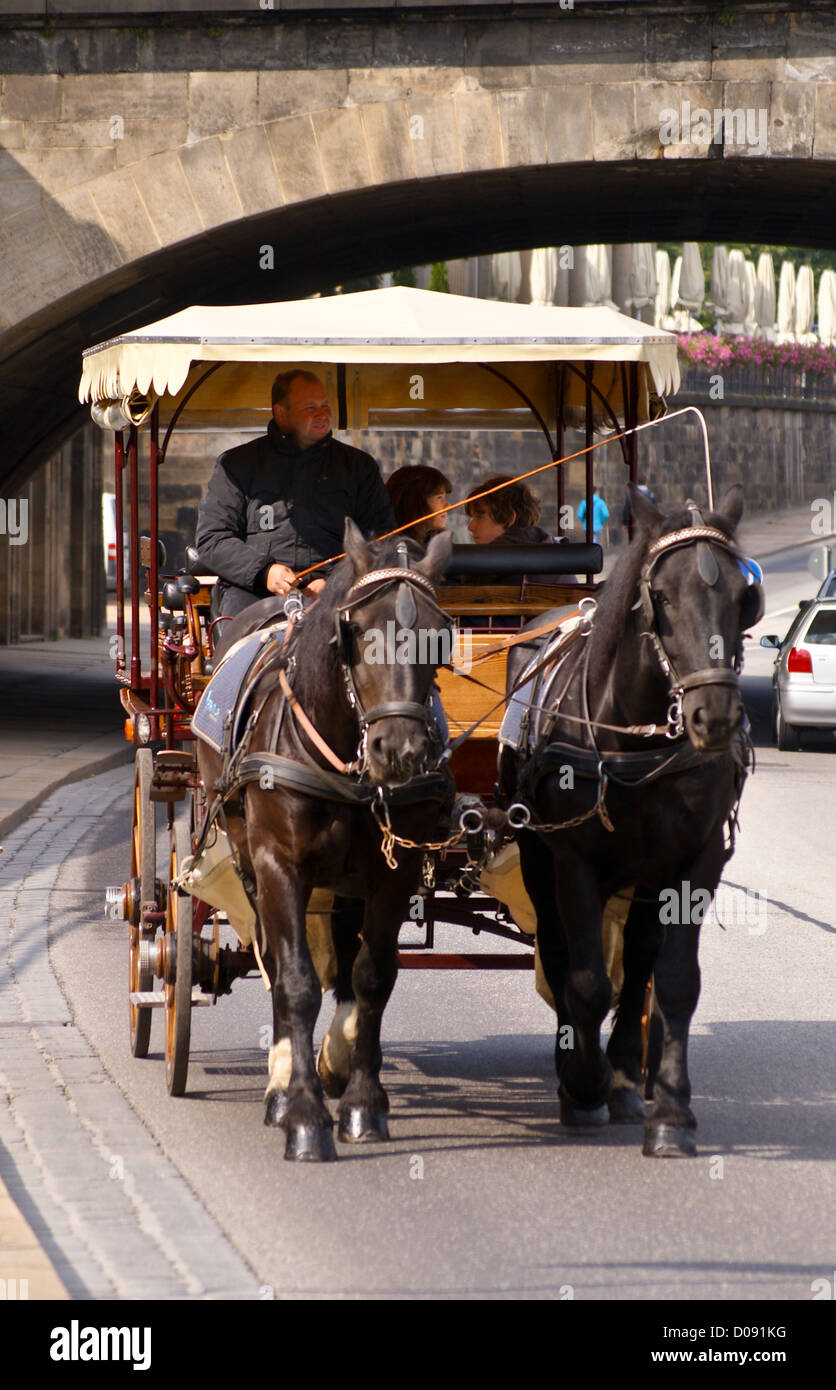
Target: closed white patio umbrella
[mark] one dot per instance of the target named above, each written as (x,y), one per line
(599,277)
(751,292)
(805,306)
(765,298)
(688,292)
(507,275)
(662,303)
(543,275)
(786,303)
(737,295)
(642,276)
(827,307)
(718,288)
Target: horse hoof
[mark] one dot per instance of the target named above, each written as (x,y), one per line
(362,1126)
(332,1085)
(276,1108)
(576,1117)
(310,1144)
(626,1107)
(669,1141)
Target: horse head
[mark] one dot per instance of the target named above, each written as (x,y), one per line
(392,637)
(696,601)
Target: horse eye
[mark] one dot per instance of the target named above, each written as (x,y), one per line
(661,597)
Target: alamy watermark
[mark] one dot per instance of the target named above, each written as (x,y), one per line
(685,905)
(697,125)
(404,646)
(14,519)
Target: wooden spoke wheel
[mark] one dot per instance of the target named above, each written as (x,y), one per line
(177,958)
(144,871)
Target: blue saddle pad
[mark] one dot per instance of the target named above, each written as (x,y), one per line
(222,693)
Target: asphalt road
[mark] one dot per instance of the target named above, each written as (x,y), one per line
(480,1194)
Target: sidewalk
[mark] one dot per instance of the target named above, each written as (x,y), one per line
(62,721)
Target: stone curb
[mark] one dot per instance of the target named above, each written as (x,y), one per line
(81,764)
(794,545)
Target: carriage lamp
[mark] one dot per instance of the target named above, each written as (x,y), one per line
(142,729)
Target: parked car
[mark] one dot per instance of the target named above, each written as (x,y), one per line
(828,588)
(804,678)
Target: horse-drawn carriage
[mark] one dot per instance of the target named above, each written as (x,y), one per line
(329,775)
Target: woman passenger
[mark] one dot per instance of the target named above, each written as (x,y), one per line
(415,490)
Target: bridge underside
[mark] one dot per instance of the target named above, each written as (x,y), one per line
(324,242)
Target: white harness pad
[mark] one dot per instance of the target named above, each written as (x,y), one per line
(509,732)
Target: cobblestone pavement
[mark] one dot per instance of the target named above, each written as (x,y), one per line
(112,1213)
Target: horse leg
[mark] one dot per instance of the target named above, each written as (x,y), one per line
(334,1061)
(642,932)
(581,990)
(670,1126)
(294,1096)
(365,1104)
(584,1073)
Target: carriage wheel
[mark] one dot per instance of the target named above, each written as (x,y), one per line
(178,970)
(143,868)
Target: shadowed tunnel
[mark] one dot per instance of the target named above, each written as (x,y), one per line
(320,244)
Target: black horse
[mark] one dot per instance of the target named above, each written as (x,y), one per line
(360,665)
(632,770)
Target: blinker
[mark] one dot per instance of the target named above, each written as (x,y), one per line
(707,566)
(406,611)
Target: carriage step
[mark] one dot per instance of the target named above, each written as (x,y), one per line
(155,998)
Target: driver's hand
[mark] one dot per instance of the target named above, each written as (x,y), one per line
(315,587)
(280,579)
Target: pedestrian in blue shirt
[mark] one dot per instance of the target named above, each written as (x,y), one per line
(600,513)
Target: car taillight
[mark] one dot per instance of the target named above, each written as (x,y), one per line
(800,662)
(111,551)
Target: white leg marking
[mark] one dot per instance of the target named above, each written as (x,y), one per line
(622,1082)
(278,1065)
(339,1040)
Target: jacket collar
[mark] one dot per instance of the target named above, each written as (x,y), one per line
(286,445)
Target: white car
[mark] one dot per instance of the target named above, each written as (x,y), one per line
(804,678)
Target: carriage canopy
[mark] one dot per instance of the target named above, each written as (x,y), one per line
(397,357)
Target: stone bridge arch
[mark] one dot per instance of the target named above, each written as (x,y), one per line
(129,192)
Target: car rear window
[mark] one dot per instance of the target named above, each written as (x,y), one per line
(823,628)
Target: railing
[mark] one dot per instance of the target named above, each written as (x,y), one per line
(767,383)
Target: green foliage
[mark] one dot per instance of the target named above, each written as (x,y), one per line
(360,282)
(438,277)
(404,276)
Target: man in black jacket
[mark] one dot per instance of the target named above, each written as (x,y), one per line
(278,504)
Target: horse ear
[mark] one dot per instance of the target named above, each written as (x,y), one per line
(356,548)
(731,507)
(434,565)
(645,512)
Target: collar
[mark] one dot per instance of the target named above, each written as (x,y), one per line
(286,445)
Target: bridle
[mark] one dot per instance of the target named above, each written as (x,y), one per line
(678,685)
(362,591)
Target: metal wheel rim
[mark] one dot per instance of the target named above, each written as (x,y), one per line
(178,996)
(144,868)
